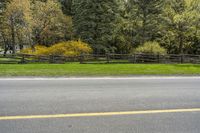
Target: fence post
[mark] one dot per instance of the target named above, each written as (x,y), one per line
(81,58)
(51,59)
(182,58)
(108,58)
(23,59)
(134,58)
(158,58)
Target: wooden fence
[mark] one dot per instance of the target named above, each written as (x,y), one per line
(141,58)
(25,58)
(108,58)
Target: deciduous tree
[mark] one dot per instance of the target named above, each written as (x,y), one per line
(181,25)
(17,23)
(50,24)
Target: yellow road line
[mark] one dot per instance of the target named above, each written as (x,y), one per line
(98,114)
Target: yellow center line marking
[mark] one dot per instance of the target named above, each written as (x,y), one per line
(98,114)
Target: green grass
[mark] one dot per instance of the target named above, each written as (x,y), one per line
(9,59)
(75,69)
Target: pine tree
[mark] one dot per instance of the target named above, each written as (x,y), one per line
(66,6)
(144,18)
(95,22)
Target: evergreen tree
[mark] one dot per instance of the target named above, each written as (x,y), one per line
(95,22)
(66,6)
(144,18)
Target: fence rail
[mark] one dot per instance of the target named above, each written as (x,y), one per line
(107,58)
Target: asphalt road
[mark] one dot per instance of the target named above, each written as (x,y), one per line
(77,96)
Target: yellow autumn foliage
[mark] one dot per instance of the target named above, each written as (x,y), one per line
(69,48)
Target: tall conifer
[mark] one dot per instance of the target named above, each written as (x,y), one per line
(95,22)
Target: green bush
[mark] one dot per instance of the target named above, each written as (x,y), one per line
(69,48)
(150,48)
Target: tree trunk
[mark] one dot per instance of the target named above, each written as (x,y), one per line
(181,39)
(5,44)
(13,35)
(181,44)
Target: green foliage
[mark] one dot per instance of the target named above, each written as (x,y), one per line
(150,48)
(143,20)
(95,22)
(29,22)
(2,6)
(182,23)
(66,6)
(16,24)
(115,26)
(50,24)
(70,48)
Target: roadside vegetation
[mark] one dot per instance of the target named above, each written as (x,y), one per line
(76,28)
(76,69)
(150,48)
(107,26)
(69,48)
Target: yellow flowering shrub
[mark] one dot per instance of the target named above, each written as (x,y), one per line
(69,48)
(38,50)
